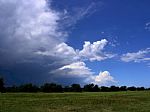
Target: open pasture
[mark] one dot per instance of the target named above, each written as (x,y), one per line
(76,102)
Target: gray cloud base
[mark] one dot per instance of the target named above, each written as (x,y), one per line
(32,47)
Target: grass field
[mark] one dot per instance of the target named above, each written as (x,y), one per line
(76,102)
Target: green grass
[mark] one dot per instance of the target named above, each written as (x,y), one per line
(76,102)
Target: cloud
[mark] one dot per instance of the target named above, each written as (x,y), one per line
(94,51)
(61,51)
(74,65)
(104,78)
(76,69)
(33,48)
(147,26)
(80,71)
(26,27)
(77,13)
(140,56)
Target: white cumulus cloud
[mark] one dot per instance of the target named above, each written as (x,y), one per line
(76,69)
(140,56)
(80,70)
(94,51)
(104,78)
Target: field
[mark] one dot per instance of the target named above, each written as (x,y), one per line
(76,102)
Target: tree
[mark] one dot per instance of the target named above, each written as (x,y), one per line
(1,85)
(28,88)
(104,89)
(131,88)
(140,88)
(76,88)
(123,88)
(88,87)
(114,88)
(67,89)
(148,88)
(51,87)
(12,89)
(96,88)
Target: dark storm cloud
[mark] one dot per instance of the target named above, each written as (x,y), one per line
(25,28)
(33,48)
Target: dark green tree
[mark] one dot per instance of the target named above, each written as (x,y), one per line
(1,85)
(76,88)
(114,88)
(91,88)
(96,88)
(140,88)
(67,89)
(28,88)
(88,87)
(132,88)
(12,89)
(104,89)
(123,88)
(51,87)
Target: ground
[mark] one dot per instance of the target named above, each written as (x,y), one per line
(76,102)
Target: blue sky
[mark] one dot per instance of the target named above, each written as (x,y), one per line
(50,49)
(122,23)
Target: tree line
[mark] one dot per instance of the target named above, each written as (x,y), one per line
(53,87)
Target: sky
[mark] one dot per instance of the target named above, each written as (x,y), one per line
(105,42)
